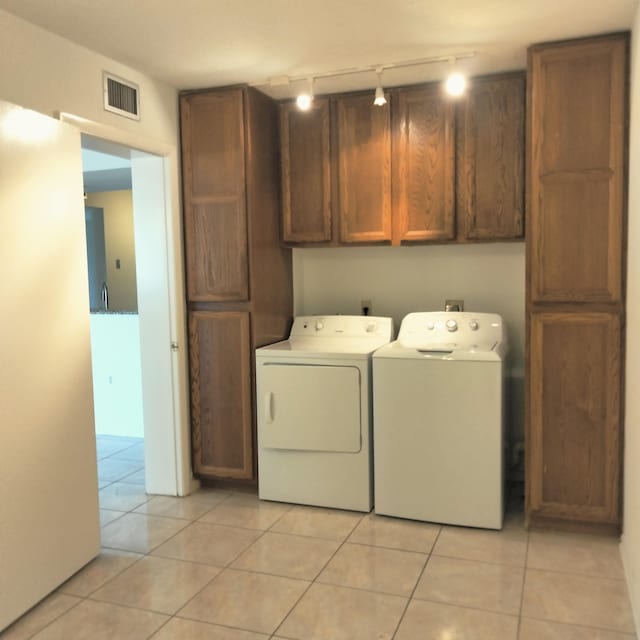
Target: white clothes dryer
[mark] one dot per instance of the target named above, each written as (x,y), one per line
(439,420)
(314,412)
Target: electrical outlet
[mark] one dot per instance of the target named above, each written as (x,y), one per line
(365,306)
(454,305)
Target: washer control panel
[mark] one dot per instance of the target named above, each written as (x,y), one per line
(431,329)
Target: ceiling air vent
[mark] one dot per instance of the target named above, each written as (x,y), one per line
(121,96)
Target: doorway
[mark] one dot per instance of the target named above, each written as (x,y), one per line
(160,295)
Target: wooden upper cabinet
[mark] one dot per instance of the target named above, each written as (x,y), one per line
(577,110)
(306,172)
(490,159)
(363,151)
(221,399)
(575,381)
(423,165)
(215,217)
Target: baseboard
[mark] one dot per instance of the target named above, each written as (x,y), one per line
(633,585)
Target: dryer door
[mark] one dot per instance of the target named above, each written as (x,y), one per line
(309,407)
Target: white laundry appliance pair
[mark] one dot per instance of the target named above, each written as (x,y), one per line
(430,405)
(313,394)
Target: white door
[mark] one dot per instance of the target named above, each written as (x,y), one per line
(309,407)
(49,524)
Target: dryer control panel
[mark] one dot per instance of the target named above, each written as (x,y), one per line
(342,326)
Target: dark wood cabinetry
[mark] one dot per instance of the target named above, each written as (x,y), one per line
(423,165)
(239,289)
(306,172)
(575,266)
(490,159)
(363,149)
(354,172)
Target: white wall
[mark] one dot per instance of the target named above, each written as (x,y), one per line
(117,376)
(631,526)
(47,73)
(119,245)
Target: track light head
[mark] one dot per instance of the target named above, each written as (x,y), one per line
(379,99)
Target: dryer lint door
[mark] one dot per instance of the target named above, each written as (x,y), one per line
(309,407)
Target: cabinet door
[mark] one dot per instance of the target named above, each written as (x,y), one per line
(221,399)
(578,105)
(423,165)
(306,171)
(574,413)
(215,218)
(490,159)
(364,169)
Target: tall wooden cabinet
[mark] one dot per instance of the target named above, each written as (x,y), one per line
(239,287)
(575,266)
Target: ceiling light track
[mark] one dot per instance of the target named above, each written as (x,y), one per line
(305,99)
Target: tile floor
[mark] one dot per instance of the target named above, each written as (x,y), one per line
(219,565)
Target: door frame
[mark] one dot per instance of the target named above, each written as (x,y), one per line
(180,438)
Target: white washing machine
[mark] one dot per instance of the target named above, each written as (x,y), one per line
(314,412)
(439,420)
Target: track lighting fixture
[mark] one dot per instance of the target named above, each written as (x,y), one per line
(305,100)
(379,99)
(455,83)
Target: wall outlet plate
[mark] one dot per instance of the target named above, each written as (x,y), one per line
(454,305)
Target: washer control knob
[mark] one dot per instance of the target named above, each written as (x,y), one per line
(452,325)
(430,325)
(371,327)
(319,325)
(473,325)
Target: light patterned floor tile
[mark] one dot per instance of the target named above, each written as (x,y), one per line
(179,629)
(188,508)
(508,546)
(39,617)
(330,524)
(107,516)
(140,533)
(375,569)
(106,566)
(540,630)
(327,612)
(134,453)
(121,496)
(432,621)
(394,533)
(101,621)
(480,585)
(250,601)
(210,543)
(157,584)
(289,556)
(246,511)
(135,478)
(111,469)
(591,555)
(577,599)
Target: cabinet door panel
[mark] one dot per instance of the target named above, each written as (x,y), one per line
(306,171)
(575,371)
(216,249)
(578,106)
(423,165)
(490,159)
(364,169)
(575,245)
(214,195)
(221,401)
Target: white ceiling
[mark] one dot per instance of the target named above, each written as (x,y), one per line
(206,43)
